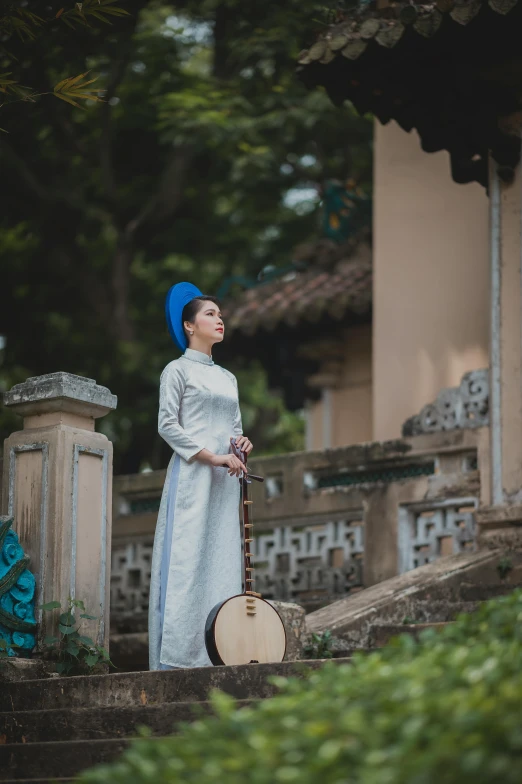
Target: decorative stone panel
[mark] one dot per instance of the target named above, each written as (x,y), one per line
(466,406)
(130,576)
(319,561)
(429,531)
(314,562)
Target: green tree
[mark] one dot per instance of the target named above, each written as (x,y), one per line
(204,161)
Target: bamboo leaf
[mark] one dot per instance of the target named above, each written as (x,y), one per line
(88,96)
(73,89)
(36,20)
(112,11)
(67,21)
(99,16)
(67,100)
(70,81)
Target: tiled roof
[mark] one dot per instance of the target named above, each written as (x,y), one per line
(450,69)
(342,286)
(388,25)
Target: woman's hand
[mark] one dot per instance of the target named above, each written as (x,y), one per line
(233,463)
(243,443)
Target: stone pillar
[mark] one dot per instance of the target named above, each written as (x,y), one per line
(500,520)
(57,483)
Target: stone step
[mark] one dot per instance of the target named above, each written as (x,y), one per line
(382,633)
(98,723)
(245,681)
(472,592)
(38,781)
(54,780)
(440,611)
(43,761)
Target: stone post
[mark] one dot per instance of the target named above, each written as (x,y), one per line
(500,519)
(57,483)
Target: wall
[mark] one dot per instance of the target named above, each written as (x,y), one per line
(431,278)
(349,419)
(352,404)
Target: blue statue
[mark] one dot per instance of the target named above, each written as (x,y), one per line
(17,594)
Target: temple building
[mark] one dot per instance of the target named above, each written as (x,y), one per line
(364,333)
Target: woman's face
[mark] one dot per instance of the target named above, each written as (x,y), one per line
(208,325)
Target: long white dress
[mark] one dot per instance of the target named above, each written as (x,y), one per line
(196,560)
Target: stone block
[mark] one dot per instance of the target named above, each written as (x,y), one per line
(60,392)
(293,616)
(17,669)
(57,485)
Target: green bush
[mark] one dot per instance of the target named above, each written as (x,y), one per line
(446,709)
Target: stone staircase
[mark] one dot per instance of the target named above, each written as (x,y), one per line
(437,614)
(431,594)
(51,729)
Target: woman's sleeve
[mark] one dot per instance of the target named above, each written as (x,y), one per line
(172,387)
(238,425)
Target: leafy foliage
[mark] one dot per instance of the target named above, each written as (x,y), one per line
(504,567)
(319,646)
(72,652)
(24,26)
(206,159)
(5,653)
(444,708)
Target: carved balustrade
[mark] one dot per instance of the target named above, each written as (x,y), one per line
(327,522)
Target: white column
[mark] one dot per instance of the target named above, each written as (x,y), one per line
(500,518)
(327,417)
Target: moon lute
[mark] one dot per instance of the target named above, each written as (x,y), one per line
(245,629)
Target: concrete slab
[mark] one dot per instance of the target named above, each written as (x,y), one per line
(393,600)
(22,761)
(149,688)
(34,726)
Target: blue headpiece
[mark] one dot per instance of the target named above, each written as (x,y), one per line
(179,296)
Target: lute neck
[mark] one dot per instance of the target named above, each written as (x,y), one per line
(247,525)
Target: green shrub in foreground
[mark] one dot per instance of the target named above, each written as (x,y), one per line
(446,709)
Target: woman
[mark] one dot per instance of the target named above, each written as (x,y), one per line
(196,561)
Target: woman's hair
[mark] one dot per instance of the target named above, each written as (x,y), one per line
(193,307)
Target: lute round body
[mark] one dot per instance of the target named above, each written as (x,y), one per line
(245,629)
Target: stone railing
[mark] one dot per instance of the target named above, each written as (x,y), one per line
(326,522)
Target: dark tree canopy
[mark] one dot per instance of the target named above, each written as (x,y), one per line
(203,161)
